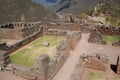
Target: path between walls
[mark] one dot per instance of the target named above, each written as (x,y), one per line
(88,48)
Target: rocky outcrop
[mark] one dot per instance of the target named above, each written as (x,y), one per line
(96,37)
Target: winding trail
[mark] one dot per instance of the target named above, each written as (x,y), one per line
(87,48)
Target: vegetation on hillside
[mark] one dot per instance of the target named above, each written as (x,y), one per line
(112,11)
(22,10)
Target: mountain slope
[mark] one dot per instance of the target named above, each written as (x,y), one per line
(22,10)
(74,6)
(112,10)
(46,2)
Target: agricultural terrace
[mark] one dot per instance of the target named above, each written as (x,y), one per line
(28,54)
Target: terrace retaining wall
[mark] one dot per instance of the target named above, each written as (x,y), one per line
(111,30)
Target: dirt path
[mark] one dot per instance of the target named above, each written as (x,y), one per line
(88,48)
(8,75)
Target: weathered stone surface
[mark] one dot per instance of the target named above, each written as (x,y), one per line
(117,43)
(4,58)
(98,62)
(18,30)
(79,69)
(96,37)
(109,30)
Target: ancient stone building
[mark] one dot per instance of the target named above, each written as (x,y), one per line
(17,30)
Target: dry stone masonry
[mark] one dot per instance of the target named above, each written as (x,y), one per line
(96,37)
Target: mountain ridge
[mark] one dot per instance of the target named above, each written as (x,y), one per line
(73,6)
(22,10)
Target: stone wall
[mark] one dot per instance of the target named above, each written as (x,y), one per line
(17,30)
(64,26)
(4,58)
(96,37)
(23,42)
(111,30)
(117,43)
(45,68)
(98,62)
(79,69)
(72,36)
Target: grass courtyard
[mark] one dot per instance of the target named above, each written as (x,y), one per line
(111,38)
(28,54)
(96,76)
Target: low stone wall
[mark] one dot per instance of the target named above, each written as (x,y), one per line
(64,26)
(23,42)
(117,43)
(98,62)
(96,37)
(3,45)
(79,69)
(72,36)
(111,30)
(4,58)
(45,68)
(30,73)
(17,30)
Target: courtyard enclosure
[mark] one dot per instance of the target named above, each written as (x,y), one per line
(29,54)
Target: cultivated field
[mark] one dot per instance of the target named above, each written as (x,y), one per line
(28,54)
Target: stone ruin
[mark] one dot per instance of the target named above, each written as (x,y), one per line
(3,45)
(94,61)
(109,30)
(45,68)
(117,43)
(98,62)
(4,58)
(18,30)
(96,37)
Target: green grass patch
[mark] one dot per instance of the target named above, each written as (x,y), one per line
(111,38)
(29,54)
(96,76)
